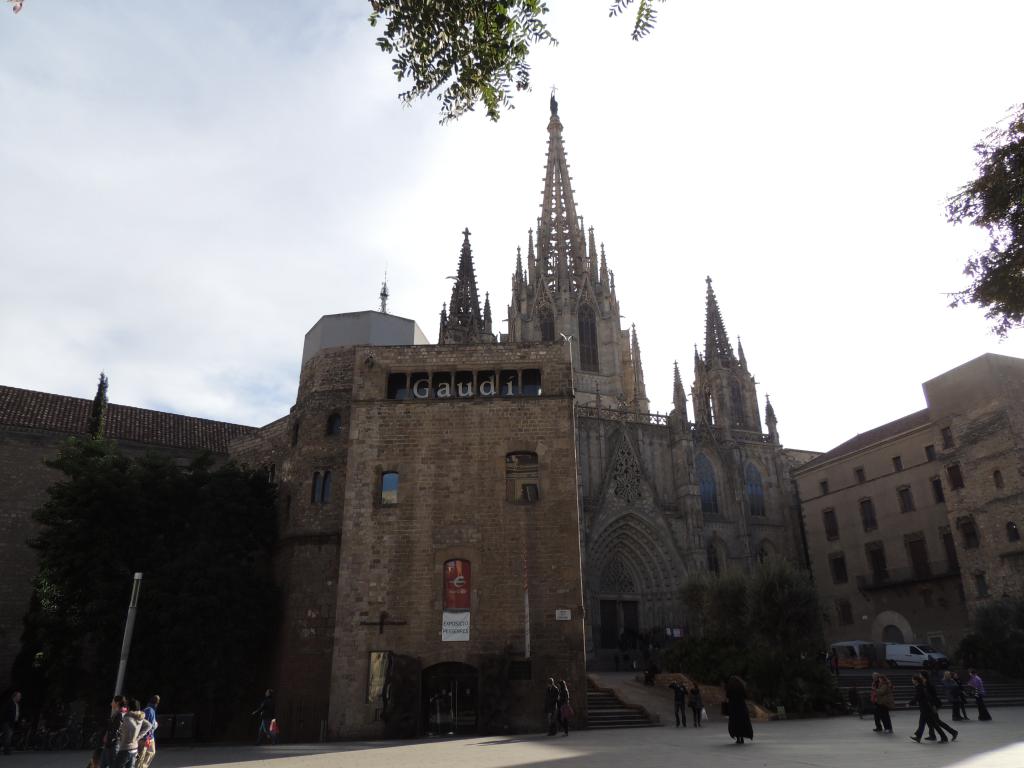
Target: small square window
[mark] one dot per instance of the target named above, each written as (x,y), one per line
(947,437)
(897,463)
(906,499)
(837,564)
(831,524)
(859,474)
(521,478)
(1012,532)
(389,488)
(823,484)
(929,452)
(867,514)
(969,532)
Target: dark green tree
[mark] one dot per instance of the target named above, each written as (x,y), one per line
(202,536)
(98,411)
(996,640)
(766,627)
(994,201)
(472,52)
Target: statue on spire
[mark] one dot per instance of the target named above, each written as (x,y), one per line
(554,102)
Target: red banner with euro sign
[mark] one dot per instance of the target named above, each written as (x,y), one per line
(456,585)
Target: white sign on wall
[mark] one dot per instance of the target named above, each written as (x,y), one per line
(455,626)
(563,614)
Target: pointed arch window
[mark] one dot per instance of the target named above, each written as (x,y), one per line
(755,491)
(708,487)
(588,338)
(736,398)
(547,324)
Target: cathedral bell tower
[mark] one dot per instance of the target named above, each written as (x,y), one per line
(724,391)
(567,291)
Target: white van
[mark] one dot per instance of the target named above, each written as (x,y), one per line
(904,655)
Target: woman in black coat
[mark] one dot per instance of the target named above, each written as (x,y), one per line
(739,717)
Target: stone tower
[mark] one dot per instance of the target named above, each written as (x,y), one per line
(567,290)
(462,322)
(725,394)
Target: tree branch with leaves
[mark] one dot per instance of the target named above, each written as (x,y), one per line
(994,201)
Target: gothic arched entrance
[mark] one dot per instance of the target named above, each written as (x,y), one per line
(450,699)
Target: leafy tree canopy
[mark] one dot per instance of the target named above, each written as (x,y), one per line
(200,534)
(994,201)
(765,627)
(472,51)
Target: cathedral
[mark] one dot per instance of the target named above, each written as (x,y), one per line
(704,489)
(458,522)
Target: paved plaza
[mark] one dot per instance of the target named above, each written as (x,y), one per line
(844,742)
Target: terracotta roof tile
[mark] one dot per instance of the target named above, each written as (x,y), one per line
(872,436)
(60,413)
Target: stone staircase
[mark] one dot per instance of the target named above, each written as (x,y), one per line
(1000,691)
(606,710)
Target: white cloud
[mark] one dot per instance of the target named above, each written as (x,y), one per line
(188,187)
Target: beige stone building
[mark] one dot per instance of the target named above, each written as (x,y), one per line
(910,525)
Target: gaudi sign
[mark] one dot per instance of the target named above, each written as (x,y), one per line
(463,384)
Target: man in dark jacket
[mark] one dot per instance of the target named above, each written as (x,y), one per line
(265,711)
(680,703)
(110,738)
(551,706)
(9,719)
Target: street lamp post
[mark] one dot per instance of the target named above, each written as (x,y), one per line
(129,625)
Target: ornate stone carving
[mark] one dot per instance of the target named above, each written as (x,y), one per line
(626,474)
(616,580)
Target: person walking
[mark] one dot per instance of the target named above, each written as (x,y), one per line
(928,714)
(739,716)
(975,682)
(696,705)
(565,711)
(884,699)
(551,706)
(265,713)
(9,719)
(147,749)
(109,755)
(134,727)
(961,697)
(949,687)
(680,703)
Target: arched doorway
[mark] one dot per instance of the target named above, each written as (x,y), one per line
(892,634)
(450,699)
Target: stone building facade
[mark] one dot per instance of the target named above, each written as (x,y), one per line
(396,466)
(913,524)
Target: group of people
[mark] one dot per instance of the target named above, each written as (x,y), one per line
(926,697)
(696,704)
(557,708)
(129,740)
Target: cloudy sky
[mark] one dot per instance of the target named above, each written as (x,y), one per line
(188,187)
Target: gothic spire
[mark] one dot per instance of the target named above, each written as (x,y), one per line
(739,351)
(592,259)
(716,342)
(560,242)
(487,312)
(638,370)
(465,322)
(604,268)
(770,420)
(384,294)
(531,259)
(678,392)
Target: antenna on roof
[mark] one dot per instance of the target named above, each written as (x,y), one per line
(384,293)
